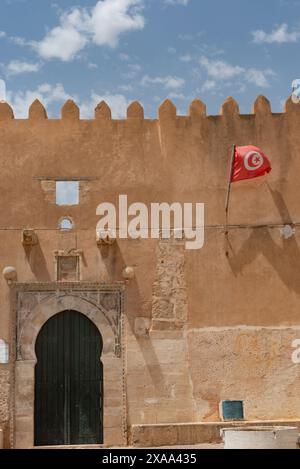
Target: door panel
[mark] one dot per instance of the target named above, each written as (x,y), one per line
(68,382)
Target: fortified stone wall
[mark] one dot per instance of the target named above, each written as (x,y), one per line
(200,326)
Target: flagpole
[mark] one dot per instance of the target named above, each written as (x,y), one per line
(229,180)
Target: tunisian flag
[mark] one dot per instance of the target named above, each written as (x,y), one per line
(249,162)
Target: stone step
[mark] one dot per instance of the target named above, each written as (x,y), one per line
(71,447)
(183,434)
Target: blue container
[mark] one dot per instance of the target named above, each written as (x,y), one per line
(233,410)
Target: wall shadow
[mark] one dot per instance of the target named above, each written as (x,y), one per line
(285,260)
(114,264)
(37,262)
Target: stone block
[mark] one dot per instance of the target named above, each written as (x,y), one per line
(114,437)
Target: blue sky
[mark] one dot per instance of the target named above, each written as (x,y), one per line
(148,50)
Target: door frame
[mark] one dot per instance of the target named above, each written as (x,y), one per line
(103,305)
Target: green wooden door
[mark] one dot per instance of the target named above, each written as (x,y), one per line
(68,382)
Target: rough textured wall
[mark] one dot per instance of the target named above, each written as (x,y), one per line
(173,158)
(4,394)
(245,363)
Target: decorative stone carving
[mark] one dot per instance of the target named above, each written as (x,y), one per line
(29,237)
(100,302)
(105,238)
(36,304)
(10,274)
(128,273)
(169,300)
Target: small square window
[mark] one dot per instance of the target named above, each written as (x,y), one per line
(67,192)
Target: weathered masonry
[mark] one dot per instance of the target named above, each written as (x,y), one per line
(147,360)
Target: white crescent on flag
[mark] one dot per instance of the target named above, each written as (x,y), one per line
(249,162)
(253,161)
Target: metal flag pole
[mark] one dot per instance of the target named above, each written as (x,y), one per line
(229,180)
(228,193)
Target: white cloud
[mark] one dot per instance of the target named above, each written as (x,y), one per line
(46,93)
(133,71)
(111,18)
(280,35)
(169,82)
(186,58)
(125,88)
(221,71)
(2,34)
(218,69)
(92,66)
(20,41)
(180,96)
(2,90)
(62,42)
(177,2)
(259,77)
(208,85)
(16,67)
(103,25)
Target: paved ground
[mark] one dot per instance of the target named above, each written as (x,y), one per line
(205,446)
(98,447)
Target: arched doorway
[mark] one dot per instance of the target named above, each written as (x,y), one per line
(68,404)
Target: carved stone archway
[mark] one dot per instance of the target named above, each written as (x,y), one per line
(36,303)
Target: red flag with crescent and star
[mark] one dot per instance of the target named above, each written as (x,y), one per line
(249,162)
